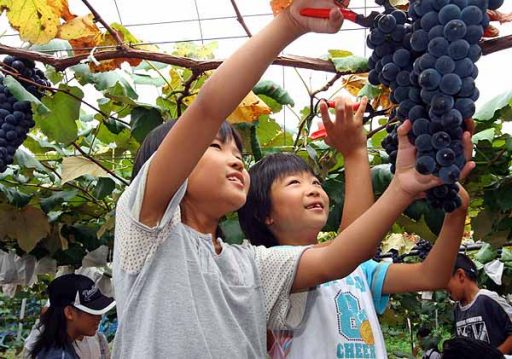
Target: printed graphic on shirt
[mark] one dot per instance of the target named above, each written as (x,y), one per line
(353,323)
(473,327)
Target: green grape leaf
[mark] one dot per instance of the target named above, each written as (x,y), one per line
(144,119)
(60,123)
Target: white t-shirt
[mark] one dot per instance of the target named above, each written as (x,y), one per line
(341,319)
(177,298)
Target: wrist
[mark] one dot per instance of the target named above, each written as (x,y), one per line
(460,212)
(396,189)
(356,154)
(289,24)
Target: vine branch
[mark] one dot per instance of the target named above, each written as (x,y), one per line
(61,64)
(186,91)
(97,17)
(92,159)
(240,18)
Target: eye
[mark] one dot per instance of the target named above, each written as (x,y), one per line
(215,145)
(293,181)
(316,182)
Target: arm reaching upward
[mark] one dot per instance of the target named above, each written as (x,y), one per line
(346,134)
(218,98)
(358,241)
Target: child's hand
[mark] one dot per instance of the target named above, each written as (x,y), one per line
(406,177)
(346,132)
(468,149)
(310,24)
(470,165)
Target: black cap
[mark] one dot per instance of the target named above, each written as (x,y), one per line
(465,263)
(80,292)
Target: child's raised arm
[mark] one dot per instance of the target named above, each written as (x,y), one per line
(190,137)
(346,134)
(435,271)
(358,241)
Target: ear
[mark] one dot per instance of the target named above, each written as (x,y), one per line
(269,221)
(69,313)
(461,275)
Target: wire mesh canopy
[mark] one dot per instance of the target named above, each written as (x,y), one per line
(167,23)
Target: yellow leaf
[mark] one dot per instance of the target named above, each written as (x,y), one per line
(176,81)
(74,167)
(189,99)
(279,5)
(61,7)
(78,27)
(354,83)
(402,242)
(398,3)
(37,20)
(249,109)
(27,225)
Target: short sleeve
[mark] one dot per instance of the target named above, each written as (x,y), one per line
(498,309)
(135,241)
(375,273)
(277,267)
(136,197)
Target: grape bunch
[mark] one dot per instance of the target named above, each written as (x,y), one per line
(16,116)
(431,74)
(423,247)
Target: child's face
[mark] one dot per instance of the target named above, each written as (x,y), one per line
(455,287)
(219,179)
(300,205)
(81,323)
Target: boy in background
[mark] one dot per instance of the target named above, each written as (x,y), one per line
(479,313)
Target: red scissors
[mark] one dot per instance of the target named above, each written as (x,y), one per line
(321,133)
(365,21)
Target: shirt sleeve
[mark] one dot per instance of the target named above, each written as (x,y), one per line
(277,267)
(136,196)
(499,310)
(135,241)
(375,276)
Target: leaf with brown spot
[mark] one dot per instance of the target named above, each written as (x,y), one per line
(106,40)
(79,27)
(61,7)
(37,21)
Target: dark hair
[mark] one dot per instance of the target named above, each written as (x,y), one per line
(423,332)
(52,332)
(258,205)
(157,135)
(467,265)
(469,348)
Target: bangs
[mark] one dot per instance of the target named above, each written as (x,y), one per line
(227,133)
(280,165)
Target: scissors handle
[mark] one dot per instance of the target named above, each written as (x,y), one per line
(324,13)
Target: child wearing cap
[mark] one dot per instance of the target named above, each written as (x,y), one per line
(479,313)
(76,307)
